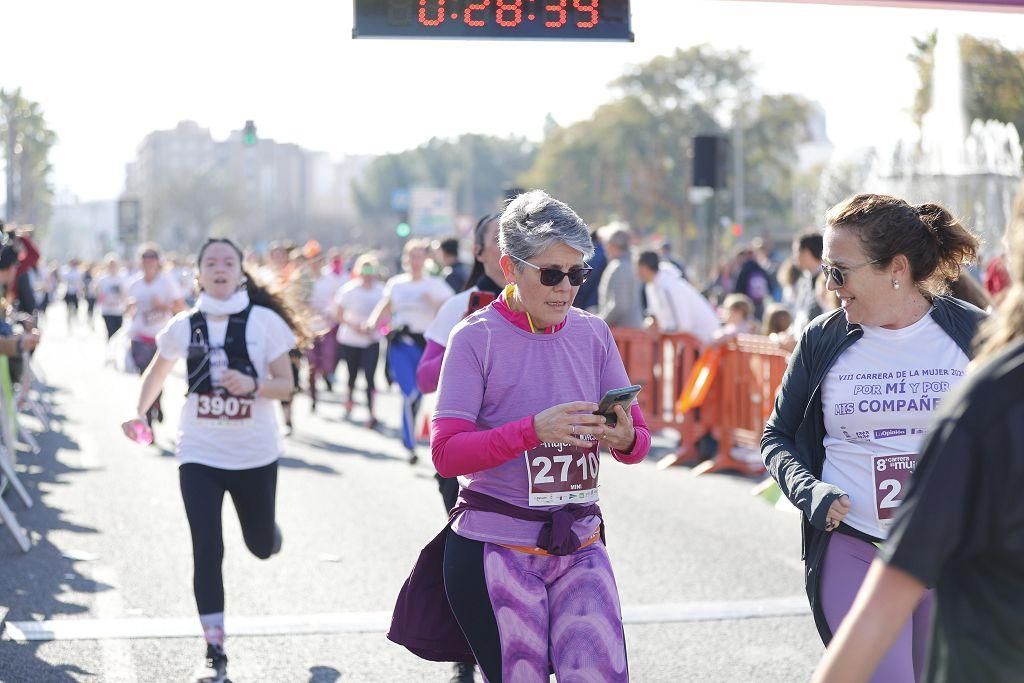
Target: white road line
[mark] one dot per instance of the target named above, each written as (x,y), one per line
(367,622)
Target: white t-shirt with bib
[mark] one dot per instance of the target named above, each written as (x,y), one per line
(111,294)
(450,314)
(415,302)
(357,303)
(879,399)
(230,444)
(147,321)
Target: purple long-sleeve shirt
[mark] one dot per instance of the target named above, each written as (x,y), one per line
(495,377)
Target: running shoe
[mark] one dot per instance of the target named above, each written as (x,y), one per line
(348,408)
(215,667)
(278,540)
(413,458)
(372,423)
(463,673)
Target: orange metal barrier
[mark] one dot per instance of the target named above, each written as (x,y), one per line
(744,393)
(728,390)
(663,364)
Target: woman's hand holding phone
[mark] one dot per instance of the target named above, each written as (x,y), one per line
(620,435)
(565,423)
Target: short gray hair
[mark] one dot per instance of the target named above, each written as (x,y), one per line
(534,221)
(620,238)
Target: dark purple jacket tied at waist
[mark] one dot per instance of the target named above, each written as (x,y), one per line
(423,621)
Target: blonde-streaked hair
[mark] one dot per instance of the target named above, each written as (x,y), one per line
(1007,324)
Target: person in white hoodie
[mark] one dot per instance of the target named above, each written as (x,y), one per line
(674,303)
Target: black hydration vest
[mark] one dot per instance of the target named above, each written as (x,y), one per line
(199,350)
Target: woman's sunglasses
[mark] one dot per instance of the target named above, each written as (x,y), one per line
(549,277)
(838,275)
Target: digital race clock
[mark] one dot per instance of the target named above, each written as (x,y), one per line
(533,19)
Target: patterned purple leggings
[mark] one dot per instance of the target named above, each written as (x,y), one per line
(525,615)
(846,564)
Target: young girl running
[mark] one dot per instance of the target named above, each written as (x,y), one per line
(236,343)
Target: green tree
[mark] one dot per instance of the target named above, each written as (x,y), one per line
(476,168)
(26,142)
(632,159)
(993,79)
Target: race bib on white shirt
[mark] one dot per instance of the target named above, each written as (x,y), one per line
(891,474)
(879,400)
(221,409)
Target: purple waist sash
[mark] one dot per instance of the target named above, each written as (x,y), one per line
(423,621)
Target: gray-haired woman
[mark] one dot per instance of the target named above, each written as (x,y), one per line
(515,423)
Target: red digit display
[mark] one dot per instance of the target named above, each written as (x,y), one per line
(558,9)
(586,7)
(505,8)
(475,7)
(437,20)
(494,19)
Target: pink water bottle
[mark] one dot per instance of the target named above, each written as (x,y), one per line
(140,432)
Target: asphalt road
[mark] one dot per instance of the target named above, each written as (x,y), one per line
(709,576)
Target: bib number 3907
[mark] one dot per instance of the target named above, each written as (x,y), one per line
(223,408)
(891,474)
(561,474)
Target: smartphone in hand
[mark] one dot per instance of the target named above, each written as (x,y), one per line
(616,397)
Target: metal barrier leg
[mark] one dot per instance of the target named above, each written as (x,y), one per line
(20,537)
(12,476)
(27,437)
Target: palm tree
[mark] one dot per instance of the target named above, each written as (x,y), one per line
(27,142)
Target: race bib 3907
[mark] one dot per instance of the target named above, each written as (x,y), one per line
(223,409)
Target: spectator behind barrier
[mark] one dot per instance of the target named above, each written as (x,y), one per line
(619,292)
(12,344)
(674,304)
(807,256)
(454,272)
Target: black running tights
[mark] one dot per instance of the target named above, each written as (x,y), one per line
(253,492)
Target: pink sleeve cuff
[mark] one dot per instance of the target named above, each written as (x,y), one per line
(641,439)
(428,372)
(458,448)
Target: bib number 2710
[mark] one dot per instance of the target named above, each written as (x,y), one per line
(561,474)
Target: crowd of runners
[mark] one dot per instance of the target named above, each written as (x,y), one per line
(897,430)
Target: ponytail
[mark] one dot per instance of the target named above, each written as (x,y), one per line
(260,295)
(955,245)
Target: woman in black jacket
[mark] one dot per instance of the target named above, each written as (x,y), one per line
(860,392)
(960,526)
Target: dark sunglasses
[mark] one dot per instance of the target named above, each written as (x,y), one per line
(838,275)
(150,254)
(549,277)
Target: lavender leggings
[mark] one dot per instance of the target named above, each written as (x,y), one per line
(524,613)
(846,564)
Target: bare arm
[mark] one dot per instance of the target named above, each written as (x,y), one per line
(153,382)
(382,309)
(884,603)
(281,384)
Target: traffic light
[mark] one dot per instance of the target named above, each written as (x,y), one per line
(249,134)
(403,229)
